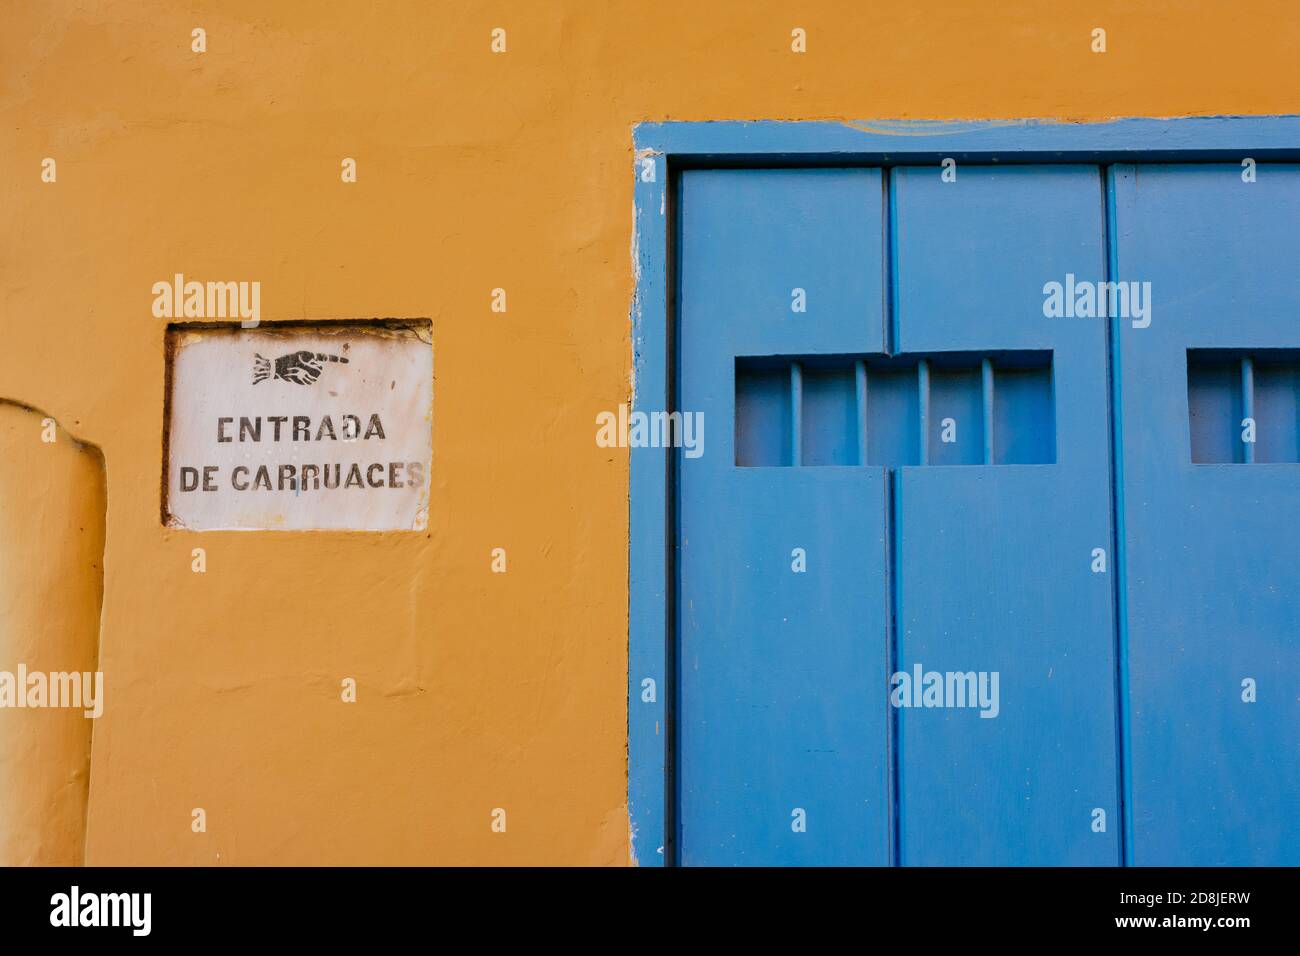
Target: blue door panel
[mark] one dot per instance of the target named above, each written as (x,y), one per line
(782,730)
(995,563)
(781,708)
(973,254)
(750,237)
(1213,582)
(994,577)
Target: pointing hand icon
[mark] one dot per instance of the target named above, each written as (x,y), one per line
(301,368)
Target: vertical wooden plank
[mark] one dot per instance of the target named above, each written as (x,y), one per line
(860,379)
(1247,407)
(986,383)
(782,753)
(1213,569)
(923,403)
(994,577)
(796,414)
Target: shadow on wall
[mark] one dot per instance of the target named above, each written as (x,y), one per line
(53,500)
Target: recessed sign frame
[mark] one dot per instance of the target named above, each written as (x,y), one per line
(302,426)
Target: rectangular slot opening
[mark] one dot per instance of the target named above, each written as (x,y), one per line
(1024,417)
(1277,411)
(994,409)
(763,414)
(893,417)
(956,426)
(1214,405)
(830,416)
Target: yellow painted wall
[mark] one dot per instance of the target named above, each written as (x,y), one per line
(475,171)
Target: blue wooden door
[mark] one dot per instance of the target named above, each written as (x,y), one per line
(1212,521)
(923,616)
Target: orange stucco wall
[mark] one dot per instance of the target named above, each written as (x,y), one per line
(475,171)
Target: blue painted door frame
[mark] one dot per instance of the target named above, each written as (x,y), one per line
(1171,812)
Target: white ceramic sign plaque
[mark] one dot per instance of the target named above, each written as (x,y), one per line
(300,427)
